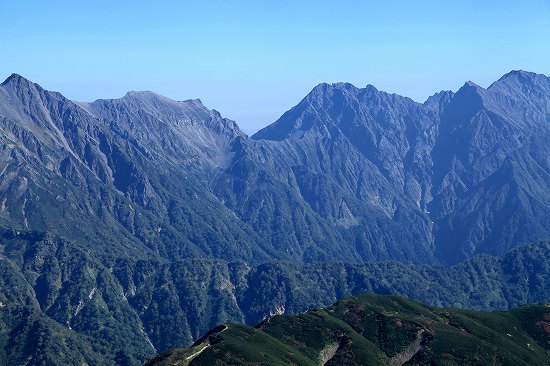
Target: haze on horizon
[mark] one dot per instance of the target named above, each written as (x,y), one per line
(252,60)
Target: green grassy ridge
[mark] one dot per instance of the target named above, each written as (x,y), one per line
(374,329)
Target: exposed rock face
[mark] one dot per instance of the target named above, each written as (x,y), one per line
(348,174)
(328,353)
(134,171)
(474,163)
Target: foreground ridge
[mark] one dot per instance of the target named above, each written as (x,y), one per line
(377,330)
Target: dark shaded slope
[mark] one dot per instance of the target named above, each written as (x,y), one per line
(352,152)
(490,171)
(473,162)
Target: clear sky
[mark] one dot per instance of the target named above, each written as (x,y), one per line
(253,60)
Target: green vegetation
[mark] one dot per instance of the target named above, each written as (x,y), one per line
(126,310)
(378,330)
(31,338)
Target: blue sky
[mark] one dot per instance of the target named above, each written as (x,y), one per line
(253,60)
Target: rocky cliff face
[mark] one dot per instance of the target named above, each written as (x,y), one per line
(119,172)
(348,174)
(491,167)
(465,172)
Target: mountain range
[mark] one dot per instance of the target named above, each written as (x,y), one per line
(133,225)
(348,174)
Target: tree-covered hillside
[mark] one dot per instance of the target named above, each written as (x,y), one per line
(130,309)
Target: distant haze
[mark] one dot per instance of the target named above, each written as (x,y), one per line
(253,60)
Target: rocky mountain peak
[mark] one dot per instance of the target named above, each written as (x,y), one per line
(519,82)
(470,85)
(16,79)
(318,109)
(442,96)
(325,91)
(141,94)
(27,103)
(521,75)
(470,93)
(16,84)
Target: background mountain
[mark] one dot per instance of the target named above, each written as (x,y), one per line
(133,225)
(463,173)
(348,174)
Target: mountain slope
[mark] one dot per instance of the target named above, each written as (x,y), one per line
(350,149)
(377,330)
(86,178)
(133,308)
(348,174)
(465,172)
(491,174)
